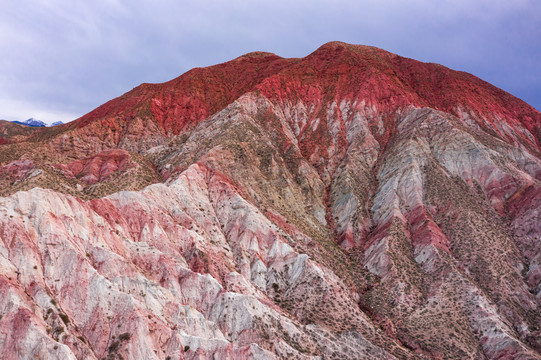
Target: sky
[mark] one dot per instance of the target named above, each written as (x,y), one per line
(59,59)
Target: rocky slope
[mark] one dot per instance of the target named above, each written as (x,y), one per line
(349,204)
(10,131)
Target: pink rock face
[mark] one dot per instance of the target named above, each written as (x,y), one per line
(19,170)
(99,167)
(328,207)
(173,267)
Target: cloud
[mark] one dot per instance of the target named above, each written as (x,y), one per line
(16,110)
(68,57)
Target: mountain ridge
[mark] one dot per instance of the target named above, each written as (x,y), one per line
(31,122)
(348,204)
(146,97)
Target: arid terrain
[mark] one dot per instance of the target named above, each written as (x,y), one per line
(351,204)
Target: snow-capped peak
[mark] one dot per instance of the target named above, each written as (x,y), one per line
(32,122)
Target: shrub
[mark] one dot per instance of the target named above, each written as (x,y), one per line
(125,336)
(114,346)
(65,318)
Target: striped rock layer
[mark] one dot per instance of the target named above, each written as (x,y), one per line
(350,204)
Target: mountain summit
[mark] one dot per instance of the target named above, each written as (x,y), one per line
(335,71)
(349,204)
(31,122)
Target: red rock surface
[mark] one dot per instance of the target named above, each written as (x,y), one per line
(12,132)
(99,167)
(349,204)
(18,170)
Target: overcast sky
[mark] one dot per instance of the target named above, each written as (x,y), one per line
(61,59)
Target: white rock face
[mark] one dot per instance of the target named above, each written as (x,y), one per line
(182,270)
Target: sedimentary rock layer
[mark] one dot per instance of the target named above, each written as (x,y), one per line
(350,204)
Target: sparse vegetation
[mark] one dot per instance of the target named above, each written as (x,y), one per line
(64,318)
(342,218)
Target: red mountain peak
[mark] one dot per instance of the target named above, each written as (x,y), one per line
(336,71)
(337,209)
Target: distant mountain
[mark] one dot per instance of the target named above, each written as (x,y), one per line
(37,123)
(31,122)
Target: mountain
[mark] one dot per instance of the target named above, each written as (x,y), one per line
(13,132)
(349,204)
(56,123)
(31,122)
